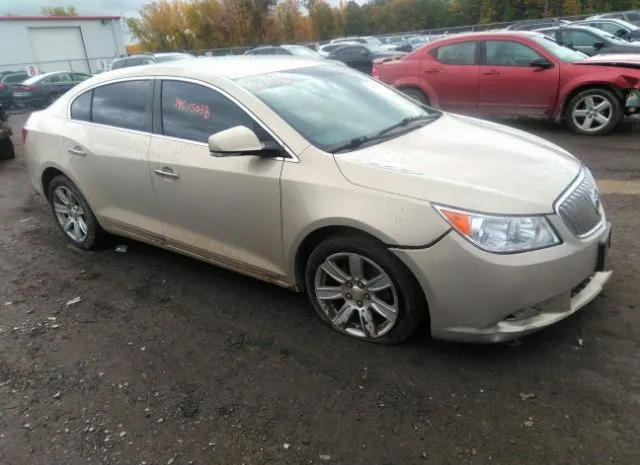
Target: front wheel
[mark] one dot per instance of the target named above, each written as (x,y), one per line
(73,214)
(361,289)
(594,112)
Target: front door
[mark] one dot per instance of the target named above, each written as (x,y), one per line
(223,209)
(511,86)
(450,73)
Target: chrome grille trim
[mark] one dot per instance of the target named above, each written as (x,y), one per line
(576,206)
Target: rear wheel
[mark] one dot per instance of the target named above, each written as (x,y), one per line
(415,94)
(73,214)
(594,112)
(7,151)
(361,289)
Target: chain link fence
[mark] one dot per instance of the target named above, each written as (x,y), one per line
(84,65)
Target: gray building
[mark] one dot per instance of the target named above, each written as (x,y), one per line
(70,43)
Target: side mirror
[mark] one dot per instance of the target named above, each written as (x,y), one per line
(622,32)
(598,45)
(541,62)
(240,141)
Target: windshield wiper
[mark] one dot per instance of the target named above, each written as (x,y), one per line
(382,134)
(406,121)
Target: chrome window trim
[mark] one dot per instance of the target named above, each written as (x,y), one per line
(293,158)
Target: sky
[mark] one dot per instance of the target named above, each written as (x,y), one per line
(84,7)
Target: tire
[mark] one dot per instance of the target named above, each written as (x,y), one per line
(7,151)
(94,236)
(579,103)
(402,293)
(415,94)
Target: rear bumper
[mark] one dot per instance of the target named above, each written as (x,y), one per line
(475,296)
(26,101)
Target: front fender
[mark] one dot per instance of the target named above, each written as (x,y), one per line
(617,84)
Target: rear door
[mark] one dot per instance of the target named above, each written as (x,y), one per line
(357,57)
(511,86)
(106,145)
(451,73)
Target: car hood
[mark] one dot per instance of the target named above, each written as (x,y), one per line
(631,60)
(466,163)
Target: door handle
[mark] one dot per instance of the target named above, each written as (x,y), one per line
(431,70)
(77,151)
(492,72)
(166,173)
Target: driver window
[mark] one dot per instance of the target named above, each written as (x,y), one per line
(578,38)
(194,112)
(508,53)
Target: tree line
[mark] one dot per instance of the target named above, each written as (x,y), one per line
(207,24)
(202,24)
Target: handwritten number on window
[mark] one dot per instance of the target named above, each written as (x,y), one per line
(199,109)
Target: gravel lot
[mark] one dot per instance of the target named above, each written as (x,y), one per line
(165,360)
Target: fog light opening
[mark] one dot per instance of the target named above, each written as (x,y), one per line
(525,313)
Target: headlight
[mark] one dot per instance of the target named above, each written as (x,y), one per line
(501,234)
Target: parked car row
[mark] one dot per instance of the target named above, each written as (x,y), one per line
(387,213)
(358,53)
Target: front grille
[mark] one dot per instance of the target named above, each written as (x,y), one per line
(579,208)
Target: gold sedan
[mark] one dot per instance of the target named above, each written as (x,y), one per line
(315,177)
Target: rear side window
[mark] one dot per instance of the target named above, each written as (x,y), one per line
(81,107)
(463,53)
(123,104)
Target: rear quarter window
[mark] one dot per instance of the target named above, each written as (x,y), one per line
(81,107)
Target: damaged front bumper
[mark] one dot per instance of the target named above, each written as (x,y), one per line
(632,103)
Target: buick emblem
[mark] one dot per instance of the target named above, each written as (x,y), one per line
(595,198)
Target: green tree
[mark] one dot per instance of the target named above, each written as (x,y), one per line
(571,7)
(59,10)
(487,13)
(354,22)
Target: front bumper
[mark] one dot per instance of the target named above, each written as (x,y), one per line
(475,296)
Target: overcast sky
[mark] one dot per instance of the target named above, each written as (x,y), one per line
(84,7)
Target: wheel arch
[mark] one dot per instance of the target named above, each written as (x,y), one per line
(47,176)
(312,238)
(571,93)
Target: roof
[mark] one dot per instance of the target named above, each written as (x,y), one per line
(59,18)
(495,33)
(231,67)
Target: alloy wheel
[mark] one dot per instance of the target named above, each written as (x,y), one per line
(356,295)
(70,214)
(592,113)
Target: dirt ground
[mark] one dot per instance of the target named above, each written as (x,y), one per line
(165,360)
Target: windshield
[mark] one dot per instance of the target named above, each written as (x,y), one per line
(303,51)
(559,51)
(331,105)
